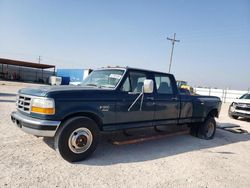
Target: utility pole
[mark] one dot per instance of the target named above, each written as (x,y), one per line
(173,40)
(39,59)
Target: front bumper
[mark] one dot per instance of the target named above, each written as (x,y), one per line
(37,127)
(238,112)
(241,113)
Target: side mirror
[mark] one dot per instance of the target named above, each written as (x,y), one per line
(148,86)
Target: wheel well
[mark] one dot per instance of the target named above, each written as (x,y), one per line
(213,113)
(86,114)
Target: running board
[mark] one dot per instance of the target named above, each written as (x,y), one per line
(143,139)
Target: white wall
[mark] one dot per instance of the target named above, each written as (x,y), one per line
(226,95)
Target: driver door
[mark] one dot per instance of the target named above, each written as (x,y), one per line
(130,89)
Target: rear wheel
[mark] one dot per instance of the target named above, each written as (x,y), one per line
(207,129)
(77,139)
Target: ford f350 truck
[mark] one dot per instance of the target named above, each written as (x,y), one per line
(111,99)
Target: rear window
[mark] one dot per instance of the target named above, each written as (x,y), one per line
(163,84)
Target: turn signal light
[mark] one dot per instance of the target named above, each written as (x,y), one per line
(46,111)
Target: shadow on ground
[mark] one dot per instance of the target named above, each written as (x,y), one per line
(109,154)
(232,128)
(1,100)
(244,119)
(7,95)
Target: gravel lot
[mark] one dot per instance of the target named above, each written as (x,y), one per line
(177,161)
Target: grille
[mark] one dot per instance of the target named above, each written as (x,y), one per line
(23,103)
(241,108)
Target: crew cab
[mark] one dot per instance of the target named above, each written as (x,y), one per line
(111,99)
(240,107)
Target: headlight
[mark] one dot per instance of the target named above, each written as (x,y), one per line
(43,106)
(232,107)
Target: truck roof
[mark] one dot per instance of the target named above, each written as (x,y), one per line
(132,68)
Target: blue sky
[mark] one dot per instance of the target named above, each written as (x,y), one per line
(215,36)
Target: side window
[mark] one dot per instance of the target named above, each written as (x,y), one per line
(134,82)
(137,80)
(163,84)
(126,85)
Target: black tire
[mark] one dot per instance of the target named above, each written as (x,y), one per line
(230,114)
(87,135)
(207,129)
(234,117)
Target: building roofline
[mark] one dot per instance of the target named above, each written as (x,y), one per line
(25,64)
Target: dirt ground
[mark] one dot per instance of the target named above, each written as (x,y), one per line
(177,161)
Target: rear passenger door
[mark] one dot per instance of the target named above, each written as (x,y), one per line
(167,102)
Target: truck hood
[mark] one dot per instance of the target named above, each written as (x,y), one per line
(42,91)
(245,101)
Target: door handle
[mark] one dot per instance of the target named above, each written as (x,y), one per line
(150,98)
(174,98)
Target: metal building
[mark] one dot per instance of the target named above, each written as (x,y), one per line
(25,71)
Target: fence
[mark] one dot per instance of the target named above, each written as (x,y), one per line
(226,95)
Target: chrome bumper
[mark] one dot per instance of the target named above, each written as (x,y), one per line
(241,114)
(37,127)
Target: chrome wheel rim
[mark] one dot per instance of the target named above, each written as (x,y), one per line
(80,140)
(210,129)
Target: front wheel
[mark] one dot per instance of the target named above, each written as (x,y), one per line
(77,139)
(207,129)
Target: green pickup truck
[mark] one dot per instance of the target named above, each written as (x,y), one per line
(111,99)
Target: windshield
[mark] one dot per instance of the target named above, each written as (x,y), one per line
(104,78)
(246,96)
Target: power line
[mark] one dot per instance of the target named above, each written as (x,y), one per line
(173,40)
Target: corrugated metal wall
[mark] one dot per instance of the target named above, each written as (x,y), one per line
(25,73)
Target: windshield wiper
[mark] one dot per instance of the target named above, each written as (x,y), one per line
(91,85)
(107,86)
